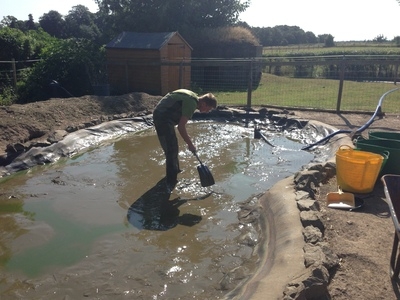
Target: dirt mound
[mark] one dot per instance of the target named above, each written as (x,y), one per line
(27,125)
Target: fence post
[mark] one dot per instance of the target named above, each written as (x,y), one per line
(396,70)
(341,79)
(250,85)
(14,72)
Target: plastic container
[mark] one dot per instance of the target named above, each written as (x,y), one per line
(385,155)
(357,171)
(384,135)
(392,165)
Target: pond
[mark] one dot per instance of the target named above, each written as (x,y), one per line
(101,224)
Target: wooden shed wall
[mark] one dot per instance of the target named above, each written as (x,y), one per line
(175,75)
(156,72)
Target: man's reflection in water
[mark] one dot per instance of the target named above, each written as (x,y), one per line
(154,211)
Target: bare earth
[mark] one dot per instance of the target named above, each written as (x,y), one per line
(362,238)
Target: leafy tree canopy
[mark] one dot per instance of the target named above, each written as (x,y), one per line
(12,22)
(53,23)
(173,15)
(380,38)
(283,35)
(80,23)
(19,45)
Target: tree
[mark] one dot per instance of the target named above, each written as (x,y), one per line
(283,35)
(380,39)
(9,21)
(12,22)
(12,42)
(161,15)
(311,38)
(329,42)
(73,63)
(30,24)
(277,37)
(53,23)
(397,40)
(80,23)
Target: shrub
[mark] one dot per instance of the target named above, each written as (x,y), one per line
(72,63)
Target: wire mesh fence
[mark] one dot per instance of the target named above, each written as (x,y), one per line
(336,83)
(12,71)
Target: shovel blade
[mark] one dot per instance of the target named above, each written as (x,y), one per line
(340,200)
(206,178)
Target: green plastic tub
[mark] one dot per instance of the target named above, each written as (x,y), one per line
(384,135)
(392,164)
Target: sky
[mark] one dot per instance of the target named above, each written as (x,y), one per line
(346,20)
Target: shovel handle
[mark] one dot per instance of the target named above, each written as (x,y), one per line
(195,154)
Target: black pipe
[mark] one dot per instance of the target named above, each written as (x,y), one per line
(258,135)
(361,129)
(54,84)
(265,139)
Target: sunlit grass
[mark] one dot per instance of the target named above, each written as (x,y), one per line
(389,48)
(317,94)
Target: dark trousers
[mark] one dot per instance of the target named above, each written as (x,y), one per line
(169,143)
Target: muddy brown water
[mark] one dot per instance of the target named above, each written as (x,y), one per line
(101,224)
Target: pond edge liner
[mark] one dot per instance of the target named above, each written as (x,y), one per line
(284,272)
(293,265)
(74,143)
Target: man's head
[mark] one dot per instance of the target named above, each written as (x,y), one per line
(207,102)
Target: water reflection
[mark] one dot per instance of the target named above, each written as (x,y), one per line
(154,211)
(9,226)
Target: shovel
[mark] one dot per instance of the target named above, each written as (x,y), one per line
(206,178)
(340,199)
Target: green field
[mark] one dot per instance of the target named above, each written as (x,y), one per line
(316,94)
(341,48)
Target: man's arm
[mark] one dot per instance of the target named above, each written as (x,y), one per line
(184,134)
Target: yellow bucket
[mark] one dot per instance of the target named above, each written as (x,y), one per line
(357,171)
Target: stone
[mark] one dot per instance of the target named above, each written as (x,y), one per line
(56,136)
(302,195)
(312,235)
(313,255)
(308,205)
(312,218)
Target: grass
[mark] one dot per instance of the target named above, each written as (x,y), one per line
(341,48)
(316,94)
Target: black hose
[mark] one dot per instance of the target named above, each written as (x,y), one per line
(258,135)
(265,139)
(361,129)
(55,84)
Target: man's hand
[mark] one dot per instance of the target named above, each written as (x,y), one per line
(192,148)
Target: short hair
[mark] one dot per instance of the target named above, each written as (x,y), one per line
(209,99)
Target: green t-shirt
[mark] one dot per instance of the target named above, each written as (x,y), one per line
(178,103)
(187,97)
